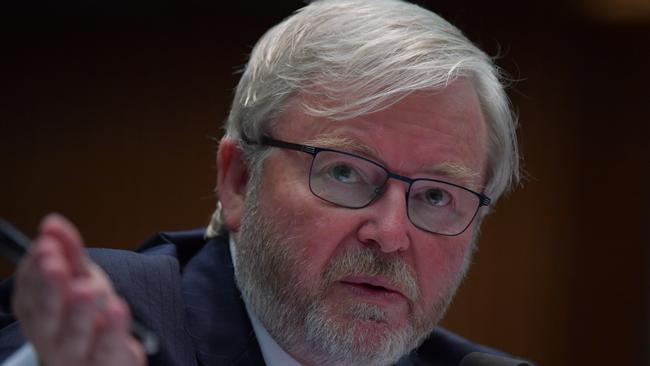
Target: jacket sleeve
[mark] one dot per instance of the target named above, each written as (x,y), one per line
(11,339)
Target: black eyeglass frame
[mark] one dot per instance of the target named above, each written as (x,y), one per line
(313,151)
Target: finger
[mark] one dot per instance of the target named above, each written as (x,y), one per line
(82,317)
(40,288)
(66,233)
(115,345)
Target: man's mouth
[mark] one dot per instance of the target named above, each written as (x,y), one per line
(373,287)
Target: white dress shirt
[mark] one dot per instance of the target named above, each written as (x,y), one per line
(24,356)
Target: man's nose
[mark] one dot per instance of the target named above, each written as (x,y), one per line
(387,224)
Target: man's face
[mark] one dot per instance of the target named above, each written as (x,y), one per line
(342,285)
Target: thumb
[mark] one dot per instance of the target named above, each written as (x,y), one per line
(65,232)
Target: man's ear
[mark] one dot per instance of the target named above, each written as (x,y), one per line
(232,175)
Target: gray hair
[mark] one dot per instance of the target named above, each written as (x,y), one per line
(361,56)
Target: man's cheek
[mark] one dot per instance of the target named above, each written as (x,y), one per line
(437,276)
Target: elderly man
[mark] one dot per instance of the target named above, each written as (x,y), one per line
(365,144)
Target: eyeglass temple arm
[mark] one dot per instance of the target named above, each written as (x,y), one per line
(268,141)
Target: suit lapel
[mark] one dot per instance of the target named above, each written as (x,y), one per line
(216,316)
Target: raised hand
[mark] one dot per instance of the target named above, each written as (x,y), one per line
(66,305)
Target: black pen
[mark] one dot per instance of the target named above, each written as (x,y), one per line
(14,244)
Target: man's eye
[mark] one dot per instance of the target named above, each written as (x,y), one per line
(437,197)
(344,173)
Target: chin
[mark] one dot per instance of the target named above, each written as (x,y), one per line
(372,336)
(362,331)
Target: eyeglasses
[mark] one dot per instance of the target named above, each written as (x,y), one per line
(352,181)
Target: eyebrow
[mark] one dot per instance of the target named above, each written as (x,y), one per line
(333,141)
(458,172)
(448,169)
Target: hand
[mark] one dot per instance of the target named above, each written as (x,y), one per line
(66,305)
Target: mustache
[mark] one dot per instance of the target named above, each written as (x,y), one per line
(365,261)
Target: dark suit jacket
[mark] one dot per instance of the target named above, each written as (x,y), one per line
(182,287)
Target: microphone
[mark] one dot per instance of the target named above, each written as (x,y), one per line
(14,244)
(486,359)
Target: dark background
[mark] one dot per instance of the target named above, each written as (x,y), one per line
(109,112)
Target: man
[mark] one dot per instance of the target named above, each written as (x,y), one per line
(365,143)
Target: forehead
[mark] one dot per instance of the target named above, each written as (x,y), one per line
(423,130)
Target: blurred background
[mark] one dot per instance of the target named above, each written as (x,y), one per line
(110,112)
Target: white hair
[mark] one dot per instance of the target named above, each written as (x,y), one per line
(361,56)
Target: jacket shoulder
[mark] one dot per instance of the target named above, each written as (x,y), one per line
(445,348)
(151,283)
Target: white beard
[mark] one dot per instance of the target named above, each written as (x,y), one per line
(296,315)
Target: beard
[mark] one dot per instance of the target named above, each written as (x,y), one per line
(297,315)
